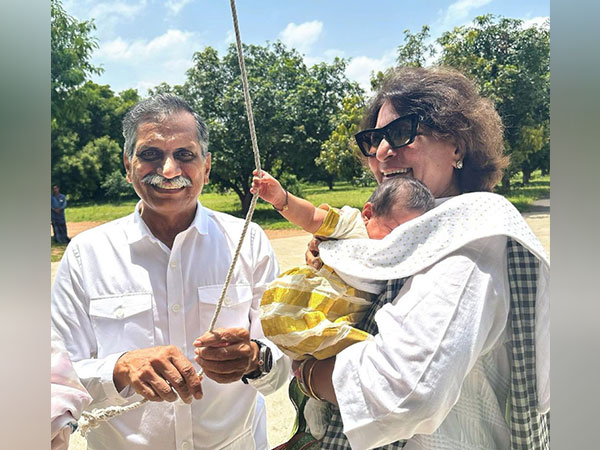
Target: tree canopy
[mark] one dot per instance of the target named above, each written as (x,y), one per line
(294,108)
(305,116)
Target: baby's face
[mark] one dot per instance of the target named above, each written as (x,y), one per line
(379,227)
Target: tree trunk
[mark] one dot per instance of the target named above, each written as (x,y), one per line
(505,187)
(245,199)
(526,176)
(330,182)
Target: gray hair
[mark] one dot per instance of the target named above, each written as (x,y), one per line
(156,109)
(408,193)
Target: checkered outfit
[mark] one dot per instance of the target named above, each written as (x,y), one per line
(529,428)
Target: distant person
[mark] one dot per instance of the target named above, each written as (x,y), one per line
(58,203)
(309,312)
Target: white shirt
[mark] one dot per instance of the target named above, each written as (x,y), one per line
(439,368)
(119,288)
(438,372)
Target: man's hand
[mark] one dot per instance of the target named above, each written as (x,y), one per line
(226,354)
(154,373)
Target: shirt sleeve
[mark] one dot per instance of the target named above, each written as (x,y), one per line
(407,379)
(265,271)
(69,317)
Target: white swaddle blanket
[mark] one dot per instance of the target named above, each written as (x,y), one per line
(415,245)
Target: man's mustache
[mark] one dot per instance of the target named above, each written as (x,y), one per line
(159,181)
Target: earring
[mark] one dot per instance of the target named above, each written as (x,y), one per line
(459,164)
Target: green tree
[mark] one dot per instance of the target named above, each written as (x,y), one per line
(71,46)
(81,172)
(511,64)
(339,153)
(414,51)
(293,107)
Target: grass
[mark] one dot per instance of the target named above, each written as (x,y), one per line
(522,197)
(342,194)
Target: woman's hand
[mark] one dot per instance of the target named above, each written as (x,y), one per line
(312,253)
(316,377)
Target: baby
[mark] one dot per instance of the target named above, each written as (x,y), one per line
(309,312)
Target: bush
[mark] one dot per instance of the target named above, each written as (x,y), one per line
(365,179)
(116,187)
(290,182)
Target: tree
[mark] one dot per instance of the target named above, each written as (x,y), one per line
(414,51)
(339,153)
(511,64)
(293,107)
(71,47)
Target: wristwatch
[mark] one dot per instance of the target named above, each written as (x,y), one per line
(265,362)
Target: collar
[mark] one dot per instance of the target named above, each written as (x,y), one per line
(139,230)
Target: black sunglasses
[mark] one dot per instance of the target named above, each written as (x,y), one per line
(397,133)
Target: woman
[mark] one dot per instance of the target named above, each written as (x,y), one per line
(446,368)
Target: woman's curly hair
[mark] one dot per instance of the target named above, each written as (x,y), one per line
(453,109)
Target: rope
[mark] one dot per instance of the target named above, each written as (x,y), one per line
(92,419)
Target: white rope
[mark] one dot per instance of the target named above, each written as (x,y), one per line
(92,419)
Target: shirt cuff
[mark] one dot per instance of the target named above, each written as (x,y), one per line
(106,379)
(280,372)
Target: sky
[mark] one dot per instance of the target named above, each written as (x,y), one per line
(144,42)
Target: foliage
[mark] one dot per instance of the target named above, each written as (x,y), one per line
(511,64)
(339,153)
(116,187)
(293,106)
(81,172)
(71,48)
(414,51)
(86,139)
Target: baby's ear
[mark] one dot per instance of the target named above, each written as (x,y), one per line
(367,212)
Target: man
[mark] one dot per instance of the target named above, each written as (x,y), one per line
(58,203)
(131,296)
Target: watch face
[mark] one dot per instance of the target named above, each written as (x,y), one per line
(267,359)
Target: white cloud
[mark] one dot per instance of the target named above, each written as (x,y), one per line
(458,13)
(360,68)
(303,36)
(164,58)
(103,11)
(230,37)
(173,42)
(175,6)
(538,22)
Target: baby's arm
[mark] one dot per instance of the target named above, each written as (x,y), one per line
(299,211)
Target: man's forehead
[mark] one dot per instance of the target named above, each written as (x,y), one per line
(175,127)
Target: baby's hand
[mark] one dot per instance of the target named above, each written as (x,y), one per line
(268,188)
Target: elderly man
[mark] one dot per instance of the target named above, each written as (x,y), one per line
(131,297)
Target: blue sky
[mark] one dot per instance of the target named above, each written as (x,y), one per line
(144,42)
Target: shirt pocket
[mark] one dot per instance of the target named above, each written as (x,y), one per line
(235,311)
(122,322)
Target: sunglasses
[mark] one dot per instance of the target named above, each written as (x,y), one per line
(397,133)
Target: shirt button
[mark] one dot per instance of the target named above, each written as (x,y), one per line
(176,307)
(173,264)
(119,313)
(185,445)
